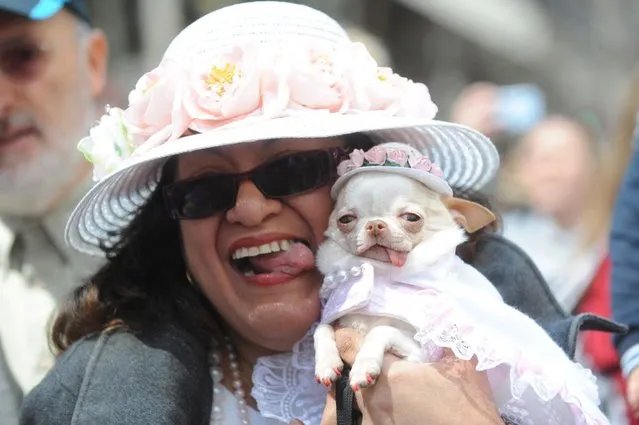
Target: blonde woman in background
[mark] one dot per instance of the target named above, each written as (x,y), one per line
(552,170)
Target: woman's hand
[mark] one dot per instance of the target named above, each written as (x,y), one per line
(448,392)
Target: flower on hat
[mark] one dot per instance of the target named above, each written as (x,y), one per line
(380,89)
(423,163)
(389,156)
(375,156)
(317,80)
(153,115)
(108,143)
(397,156)
(224,88)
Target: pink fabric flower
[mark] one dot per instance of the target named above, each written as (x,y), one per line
(357,156)
(276,93)
(317,80)
(154,111)
(375,155)
(415,100)
(422,163)
(225,88)
(345,166)
(380,89)
(436,171)
(398,156)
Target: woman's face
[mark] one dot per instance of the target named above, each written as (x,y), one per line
(273,312)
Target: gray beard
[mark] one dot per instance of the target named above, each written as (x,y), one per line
(31,188)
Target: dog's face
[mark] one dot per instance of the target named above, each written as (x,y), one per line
(383,216)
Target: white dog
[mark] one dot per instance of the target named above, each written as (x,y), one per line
(389,220)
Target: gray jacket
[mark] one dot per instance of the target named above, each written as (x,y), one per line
(161,376)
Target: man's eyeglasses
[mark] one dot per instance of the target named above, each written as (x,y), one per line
(22,60)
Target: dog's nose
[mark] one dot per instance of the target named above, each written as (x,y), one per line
(376,227)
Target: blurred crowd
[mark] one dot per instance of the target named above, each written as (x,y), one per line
(555,193)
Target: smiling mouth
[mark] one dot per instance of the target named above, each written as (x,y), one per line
(274,262)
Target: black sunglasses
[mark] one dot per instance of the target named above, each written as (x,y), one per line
(22,60)
(290,175)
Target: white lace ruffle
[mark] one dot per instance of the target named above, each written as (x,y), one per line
(284,385)
(552,391)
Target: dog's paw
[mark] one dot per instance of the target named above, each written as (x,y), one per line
(364,373)
(328,368)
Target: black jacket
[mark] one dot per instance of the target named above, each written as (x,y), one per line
(161,376)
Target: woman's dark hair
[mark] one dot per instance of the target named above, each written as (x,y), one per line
(144,280)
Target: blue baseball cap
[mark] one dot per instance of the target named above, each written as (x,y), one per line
(44,9)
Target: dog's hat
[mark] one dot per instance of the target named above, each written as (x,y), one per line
(257,71)
(392,158)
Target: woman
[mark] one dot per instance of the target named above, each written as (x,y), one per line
(213,196)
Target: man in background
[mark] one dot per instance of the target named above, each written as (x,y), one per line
(52,70)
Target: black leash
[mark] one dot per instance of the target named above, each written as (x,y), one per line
(347,414)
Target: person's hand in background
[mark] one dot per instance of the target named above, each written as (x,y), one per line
(513,109)
(632,395)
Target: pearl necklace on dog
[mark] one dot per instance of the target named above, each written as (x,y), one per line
(217,414)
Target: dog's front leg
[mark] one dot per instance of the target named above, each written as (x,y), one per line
(380,339)
(328,363)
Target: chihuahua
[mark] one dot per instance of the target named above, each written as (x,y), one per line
(390,221)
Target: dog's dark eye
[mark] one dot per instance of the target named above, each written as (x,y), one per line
(348,218)
(411,217)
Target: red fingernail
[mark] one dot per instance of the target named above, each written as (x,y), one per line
(338,372)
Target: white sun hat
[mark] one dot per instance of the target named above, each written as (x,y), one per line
(257,71)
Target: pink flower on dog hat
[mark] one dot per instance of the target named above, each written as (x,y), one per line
(358,157)
(397,158)
(375,155)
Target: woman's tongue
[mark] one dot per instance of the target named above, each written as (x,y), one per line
(296,260)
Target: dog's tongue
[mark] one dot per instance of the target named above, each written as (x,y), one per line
(397,258)
(292,262)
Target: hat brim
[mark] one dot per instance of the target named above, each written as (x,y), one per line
(468,159)
(431,181)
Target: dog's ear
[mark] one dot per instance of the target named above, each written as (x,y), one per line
(470,215)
